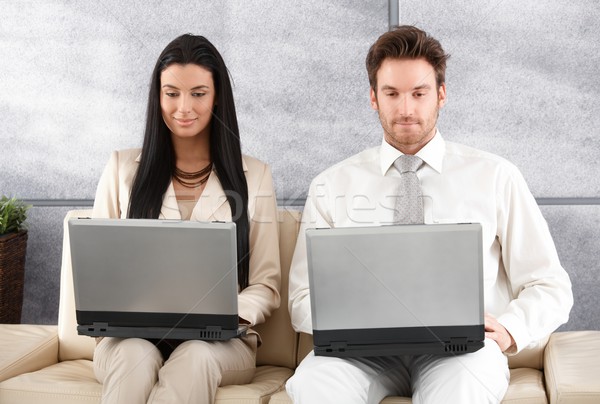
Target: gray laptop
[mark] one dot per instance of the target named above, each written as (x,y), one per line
(396,290)
(155,278)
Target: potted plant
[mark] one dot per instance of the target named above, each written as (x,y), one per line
(13,246)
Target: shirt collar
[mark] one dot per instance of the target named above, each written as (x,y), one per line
(432,154)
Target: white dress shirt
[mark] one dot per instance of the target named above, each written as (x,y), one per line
(525,286)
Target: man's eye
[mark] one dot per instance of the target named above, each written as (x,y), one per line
(420,95)
(390,94)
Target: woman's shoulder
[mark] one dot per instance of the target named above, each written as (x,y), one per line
(128,154)
(254,165)
(124,158)
(258,174)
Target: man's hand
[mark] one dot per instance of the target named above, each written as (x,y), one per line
(496,331)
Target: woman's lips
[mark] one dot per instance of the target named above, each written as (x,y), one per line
(185,122)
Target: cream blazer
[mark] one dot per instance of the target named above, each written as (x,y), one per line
(261,297)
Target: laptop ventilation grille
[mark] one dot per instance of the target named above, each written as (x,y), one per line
(210,334)
(455,348)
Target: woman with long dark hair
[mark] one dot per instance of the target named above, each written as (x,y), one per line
(191,167)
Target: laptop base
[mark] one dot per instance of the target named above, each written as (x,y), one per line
(436,340)
(342,350)
(206,334)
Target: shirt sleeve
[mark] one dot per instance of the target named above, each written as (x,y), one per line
(261,297)
(314,215)
(539,284)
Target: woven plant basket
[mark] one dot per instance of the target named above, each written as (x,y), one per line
(12,273)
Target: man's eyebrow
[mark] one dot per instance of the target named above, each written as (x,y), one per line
(419,87)
(422,87)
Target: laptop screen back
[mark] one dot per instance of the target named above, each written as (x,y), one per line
(395,277)
(143,272)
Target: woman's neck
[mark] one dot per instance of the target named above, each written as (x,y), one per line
(191,153)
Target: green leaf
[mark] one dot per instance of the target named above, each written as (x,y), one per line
(13,214)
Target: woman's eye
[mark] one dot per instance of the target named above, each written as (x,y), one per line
(198,94)
(171,94)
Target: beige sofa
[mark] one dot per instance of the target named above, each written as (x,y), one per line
(52,364)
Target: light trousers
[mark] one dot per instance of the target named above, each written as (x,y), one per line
(480,377)
(133,371)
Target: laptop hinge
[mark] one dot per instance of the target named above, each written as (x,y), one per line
(456,345)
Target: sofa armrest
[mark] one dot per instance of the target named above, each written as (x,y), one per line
(26,348)
(572,367)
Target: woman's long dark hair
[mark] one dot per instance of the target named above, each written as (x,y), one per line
(158,156)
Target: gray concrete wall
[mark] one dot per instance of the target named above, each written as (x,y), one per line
(521,83)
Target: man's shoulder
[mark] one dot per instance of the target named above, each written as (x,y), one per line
(472,153)
(487,163)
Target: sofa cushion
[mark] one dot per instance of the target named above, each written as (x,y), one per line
(26,348)
(267,381)
(278,337)
(396,400)
(71,345)
(64,382)
(280,398)
(74,382)
(572,367)
(530,357)
(526,387)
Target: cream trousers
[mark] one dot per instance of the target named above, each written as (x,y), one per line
(133,371)
(476,378)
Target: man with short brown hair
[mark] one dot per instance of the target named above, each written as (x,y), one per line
(527,292)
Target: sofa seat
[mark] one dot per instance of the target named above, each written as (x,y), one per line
(49,364)
(64,382)
(26,348)
(526,387)
(267,381)
(74,382)
(572,367)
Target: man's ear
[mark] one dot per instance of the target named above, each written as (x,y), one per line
(374,104)
(442,95)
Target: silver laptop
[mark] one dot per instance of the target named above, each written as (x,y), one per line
(155,278)
(396,290)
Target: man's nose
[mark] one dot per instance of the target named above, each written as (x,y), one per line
(405,105)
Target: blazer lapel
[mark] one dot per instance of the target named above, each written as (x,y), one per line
(170,208)
(213,204)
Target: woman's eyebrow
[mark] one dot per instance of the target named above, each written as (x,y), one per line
(202,86)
